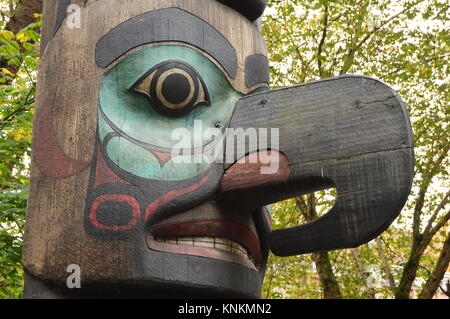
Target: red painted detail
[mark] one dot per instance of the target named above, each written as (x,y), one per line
(172,195)
(246,173)
(200,251)
(214,228)
(162,157)
(136,207)
(103,174)
(47,152)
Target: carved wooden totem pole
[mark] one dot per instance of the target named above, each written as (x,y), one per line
(109,194)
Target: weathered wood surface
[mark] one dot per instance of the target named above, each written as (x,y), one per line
(69,80)
(349,132)
(93,203)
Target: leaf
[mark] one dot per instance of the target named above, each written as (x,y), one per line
(6,71)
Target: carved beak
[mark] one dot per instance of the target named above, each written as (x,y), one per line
(349,132)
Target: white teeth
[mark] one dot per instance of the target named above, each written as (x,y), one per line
(209,242)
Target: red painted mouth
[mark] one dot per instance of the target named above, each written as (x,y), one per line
(215,239)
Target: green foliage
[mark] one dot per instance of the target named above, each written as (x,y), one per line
(17,90)
(406,44)
(13,201)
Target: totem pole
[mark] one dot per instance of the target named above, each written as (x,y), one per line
(136,182)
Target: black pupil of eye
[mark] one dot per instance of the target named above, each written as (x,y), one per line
(176,88)
(173,88)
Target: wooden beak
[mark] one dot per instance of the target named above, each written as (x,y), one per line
(348,132)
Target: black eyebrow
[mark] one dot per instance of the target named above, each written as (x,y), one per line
(170,24)
(256,70)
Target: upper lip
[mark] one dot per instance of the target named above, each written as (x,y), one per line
(214,228)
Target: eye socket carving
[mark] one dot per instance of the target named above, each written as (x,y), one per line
(173,88)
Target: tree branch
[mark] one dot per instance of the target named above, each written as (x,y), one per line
(429,229)
(322,42)
(355,44)
(385,265)
(429,172)
(433,282)
(362,271)
(321,30)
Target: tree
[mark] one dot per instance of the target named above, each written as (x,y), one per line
(406,44)
(19,60)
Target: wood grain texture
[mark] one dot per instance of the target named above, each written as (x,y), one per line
(47,151)
(256,70)
(246,174)
(55,235)
(61,11)
(350,132)
(184,27)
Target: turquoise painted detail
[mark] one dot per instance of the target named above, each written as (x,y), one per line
(133,115)
(144,164)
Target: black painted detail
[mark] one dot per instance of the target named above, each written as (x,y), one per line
(256,70)
(138,194)
(176,88)
(173,88)
(355,136)
(60,14)
(164,25)
(263,228)
(154,148)
(114,214)
(251,9)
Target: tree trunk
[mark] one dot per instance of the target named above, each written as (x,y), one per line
(410,270)
(385,265)
(327,278)
(24,15)
(432,284)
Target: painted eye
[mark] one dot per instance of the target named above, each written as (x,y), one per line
(174,88)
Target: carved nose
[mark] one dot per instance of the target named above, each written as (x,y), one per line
(349,132)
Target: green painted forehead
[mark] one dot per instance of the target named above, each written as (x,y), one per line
(133,113)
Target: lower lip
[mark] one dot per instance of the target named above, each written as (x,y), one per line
(208,228)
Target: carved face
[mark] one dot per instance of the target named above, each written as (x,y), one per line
(154,99)
(167,78)
(164,96)
(131,174)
